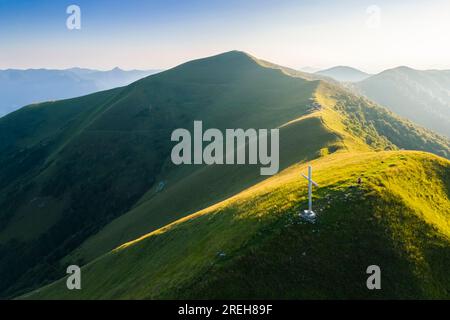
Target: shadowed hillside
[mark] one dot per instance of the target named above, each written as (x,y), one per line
(80,177)
(421,96)
(71,166)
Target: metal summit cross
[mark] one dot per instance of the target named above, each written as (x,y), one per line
(309,214)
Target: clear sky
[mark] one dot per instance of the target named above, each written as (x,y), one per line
(370,35)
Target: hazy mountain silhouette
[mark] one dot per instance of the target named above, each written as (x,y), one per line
(22,87)
(421,96)
(344,74)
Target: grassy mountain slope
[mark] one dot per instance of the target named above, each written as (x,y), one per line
(81,176)
(338,122)
(72,166)
(421,96)
(357,117)
(397,219)
(186,192)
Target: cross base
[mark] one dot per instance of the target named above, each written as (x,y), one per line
(308,215)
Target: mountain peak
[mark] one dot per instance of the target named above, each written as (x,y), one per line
(116,69)
(344,73)
(226,65)
(233,54)
(400,70)
(404,69)
(230,66)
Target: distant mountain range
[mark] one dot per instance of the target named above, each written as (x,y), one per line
(22,87)
(421,96)
(344,74)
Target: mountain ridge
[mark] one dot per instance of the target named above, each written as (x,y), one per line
(421,96)
(182,261)
(90,166)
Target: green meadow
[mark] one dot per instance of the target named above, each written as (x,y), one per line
(254,245)
(80,185)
